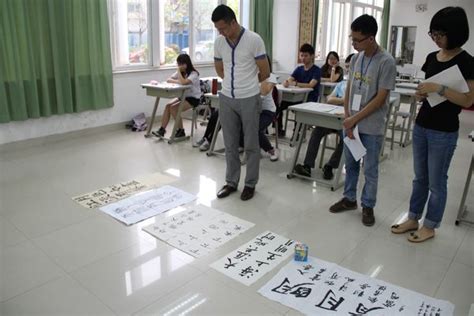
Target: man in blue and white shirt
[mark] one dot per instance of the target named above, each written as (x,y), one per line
(240,60)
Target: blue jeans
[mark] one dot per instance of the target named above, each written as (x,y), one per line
(432,154)
(373,144)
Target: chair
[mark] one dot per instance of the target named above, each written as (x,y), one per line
(393,126)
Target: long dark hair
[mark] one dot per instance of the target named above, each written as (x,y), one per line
(185,59)
(329,55)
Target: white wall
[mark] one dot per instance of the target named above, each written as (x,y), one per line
(402,12)
(285,34)
(129,99)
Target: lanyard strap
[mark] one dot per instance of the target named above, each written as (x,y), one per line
(362,73)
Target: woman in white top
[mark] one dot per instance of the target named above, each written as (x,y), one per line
(268,113)
(186,74)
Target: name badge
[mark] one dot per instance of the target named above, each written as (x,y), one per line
(356,102)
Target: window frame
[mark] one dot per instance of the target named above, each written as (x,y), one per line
(153,15)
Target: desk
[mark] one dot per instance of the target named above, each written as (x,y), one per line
(169,91)
(309,114)
(293,94)
(462,212)
(325,88)
(410,94)
(215,104)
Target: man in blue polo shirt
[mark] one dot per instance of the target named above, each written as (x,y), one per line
(307,75)
(240,60)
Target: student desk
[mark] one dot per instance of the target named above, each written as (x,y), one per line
(309,114)
(408,93)
(215,104)
(293,94)
(169,91)
(462,212)
(325,89)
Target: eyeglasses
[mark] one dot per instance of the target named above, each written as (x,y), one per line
(355,40)
(436,35)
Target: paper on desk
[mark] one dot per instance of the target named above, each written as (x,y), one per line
(321,107)
(355,146)
(452,78)
(338,110)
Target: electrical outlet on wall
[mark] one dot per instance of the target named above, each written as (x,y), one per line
(421,7)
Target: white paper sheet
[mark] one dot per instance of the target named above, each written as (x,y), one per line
(319,287)
(255,258)
(197,230)
(121,190)
(147,204)
(452,78)
(355,146)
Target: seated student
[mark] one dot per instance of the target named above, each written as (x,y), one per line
(186,74)
(306,76)
(331,71)
(266,118)
(336,97)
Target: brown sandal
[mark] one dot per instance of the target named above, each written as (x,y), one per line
(399,229)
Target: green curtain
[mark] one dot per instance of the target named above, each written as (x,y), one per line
(385,23)
(55,58)
(315,22)
(261,21)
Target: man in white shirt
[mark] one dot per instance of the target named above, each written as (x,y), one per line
(240,60)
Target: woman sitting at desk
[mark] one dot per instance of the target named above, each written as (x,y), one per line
(186,74)
(331,71)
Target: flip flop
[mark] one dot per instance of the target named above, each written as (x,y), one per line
(397,229)
(414,237)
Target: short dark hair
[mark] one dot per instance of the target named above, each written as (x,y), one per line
(307,48)
(453,22)
(223,12)
(348,58)
(366,24)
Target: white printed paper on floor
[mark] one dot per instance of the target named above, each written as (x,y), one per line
(147,204)
(197,230)
(116,192)
(355,145)
(254,259)
(318,287)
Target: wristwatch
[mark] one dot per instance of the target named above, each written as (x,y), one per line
(442,90)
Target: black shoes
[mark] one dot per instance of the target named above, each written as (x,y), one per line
(180,133)
(159,133)
(343,205)
(327,172)
(303,170)
(225,191)
(368,218)
(247,193)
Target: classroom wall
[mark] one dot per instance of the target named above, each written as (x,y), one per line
(129,99)
(285,34)
(402,12)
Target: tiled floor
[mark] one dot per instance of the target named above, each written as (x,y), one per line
(57,258)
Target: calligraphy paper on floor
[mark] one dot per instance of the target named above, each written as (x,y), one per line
(318,287)
(119,191)
(197,229)
(147,204)
(255,258)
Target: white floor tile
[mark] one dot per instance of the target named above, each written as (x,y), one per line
(9,234)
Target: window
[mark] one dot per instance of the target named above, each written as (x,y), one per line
(180,26)
(333,34)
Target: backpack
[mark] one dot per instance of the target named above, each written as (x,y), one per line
(138,123)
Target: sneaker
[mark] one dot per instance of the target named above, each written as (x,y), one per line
(343,205)
(274,154)
(204,146)
(199,142)
(281,133)
(180,133)
(241,150)
(159,133)
(368,218)
(303,170)
(243,160)
(327,172)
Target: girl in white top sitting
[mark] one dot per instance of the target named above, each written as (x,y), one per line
(186,74)
(268,113)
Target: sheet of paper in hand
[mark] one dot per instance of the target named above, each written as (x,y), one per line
(451,78)
(255,258)
(319,287)
(197,229)
(147,204)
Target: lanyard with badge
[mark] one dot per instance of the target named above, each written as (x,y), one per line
(357,99)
